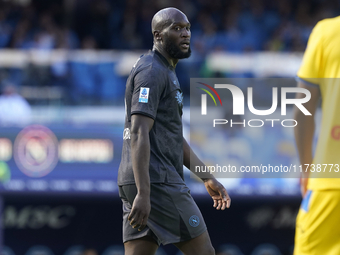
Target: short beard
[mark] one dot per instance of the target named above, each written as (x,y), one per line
(175,52)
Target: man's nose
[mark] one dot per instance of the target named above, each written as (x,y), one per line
(186,33)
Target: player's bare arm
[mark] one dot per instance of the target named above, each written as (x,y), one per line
(140,155)
(215,189)
(304,131)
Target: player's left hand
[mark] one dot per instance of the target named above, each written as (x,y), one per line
(303,186)
(304,183)
(218,193)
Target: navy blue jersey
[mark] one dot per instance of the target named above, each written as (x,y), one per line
(153,90)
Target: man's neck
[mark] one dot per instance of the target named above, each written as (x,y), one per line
(172,61)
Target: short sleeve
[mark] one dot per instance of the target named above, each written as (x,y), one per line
(312,63)
(146,93)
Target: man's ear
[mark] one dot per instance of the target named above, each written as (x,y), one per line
(157,36)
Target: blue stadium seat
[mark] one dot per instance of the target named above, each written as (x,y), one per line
(83,82)
(111,86)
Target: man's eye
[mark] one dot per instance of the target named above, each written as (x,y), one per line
(177,28)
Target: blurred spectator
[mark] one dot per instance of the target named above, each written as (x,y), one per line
(21,37)
(231,39)
(66,38)
(89,43)
(14,109)
(229,25)
(275,43)
(5,29)
(90,252)
(204,38)
(131,39)
(45,36)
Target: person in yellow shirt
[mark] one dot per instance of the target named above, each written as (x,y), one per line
(318,220)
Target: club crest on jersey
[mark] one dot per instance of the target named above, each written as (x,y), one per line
(144,95)
(179,97)
(194,221)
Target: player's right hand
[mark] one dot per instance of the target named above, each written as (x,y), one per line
(140,211)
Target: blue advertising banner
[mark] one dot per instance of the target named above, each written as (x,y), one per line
(60,159)
(68,159)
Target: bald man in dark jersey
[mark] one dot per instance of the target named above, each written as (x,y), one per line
(157,205)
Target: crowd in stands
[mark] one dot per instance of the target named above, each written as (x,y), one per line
(234,26)
(230,25)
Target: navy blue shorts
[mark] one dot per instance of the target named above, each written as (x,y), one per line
(174,215)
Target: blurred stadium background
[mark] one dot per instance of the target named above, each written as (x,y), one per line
(63,67)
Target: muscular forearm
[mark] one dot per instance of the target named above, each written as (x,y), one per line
(190,160)
(140,155)
(304,133)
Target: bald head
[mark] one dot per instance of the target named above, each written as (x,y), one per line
(171,33)
(165,18)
